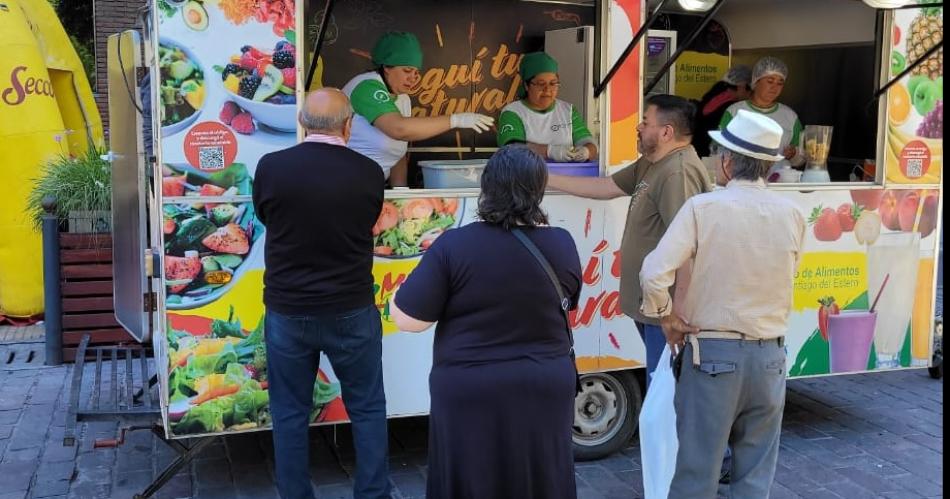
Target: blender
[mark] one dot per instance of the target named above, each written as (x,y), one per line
(817,142)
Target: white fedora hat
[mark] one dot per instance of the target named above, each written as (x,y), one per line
(751,134)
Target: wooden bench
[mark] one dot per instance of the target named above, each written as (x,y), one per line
(86,273)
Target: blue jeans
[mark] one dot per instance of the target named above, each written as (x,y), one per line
(353,341)
(654,340)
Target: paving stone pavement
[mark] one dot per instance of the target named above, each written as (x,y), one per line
(874,435)
(17,334)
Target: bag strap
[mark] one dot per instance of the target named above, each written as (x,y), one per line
(565,303)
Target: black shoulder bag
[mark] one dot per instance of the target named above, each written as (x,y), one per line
(565,303)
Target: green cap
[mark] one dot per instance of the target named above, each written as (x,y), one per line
(536,63)
(398,48)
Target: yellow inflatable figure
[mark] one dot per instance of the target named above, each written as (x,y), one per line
(46,109)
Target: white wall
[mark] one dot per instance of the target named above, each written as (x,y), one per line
(791,23)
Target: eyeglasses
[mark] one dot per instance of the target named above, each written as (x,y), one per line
(544,85)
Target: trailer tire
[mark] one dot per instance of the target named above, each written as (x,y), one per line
(605,414)
(936,369)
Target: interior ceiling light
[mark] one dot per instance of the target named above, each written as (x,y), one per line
(885,4)
(697,5)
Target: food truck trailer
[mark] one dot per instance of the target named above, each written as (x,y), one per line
(189,250)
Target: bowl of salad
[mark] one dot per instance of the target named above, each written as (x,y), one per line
(263,83)
(182,88)
(208,243)
(406,228)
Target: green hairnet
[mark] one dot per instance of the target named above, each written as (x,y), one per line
(536,63)
(398,48)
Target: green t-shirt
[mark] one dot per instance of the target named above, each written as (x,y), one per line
(371,99)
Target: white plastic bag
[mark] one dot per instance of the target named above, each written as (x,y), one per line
(658,440)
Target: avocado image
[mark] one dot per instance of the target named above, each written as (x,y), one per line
(195,16)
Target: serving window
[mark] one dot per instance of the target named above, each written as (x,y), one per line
(839,54)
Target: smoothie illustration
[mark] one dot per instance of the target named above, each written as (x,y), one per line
(895,257)
(922,319)
(849,338)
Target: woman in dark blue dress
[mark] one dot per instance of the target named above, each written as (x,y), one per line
(502,380)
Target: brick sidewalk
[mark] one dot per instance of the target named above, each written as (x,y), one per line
(18,334)
(874,435)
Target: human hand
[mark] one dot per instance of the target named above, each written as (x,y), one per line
(561,153)
(675,330)
(580,155)
(790,152)
(473,121)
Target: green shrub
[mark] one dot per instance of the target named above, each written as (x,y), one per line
(83,183)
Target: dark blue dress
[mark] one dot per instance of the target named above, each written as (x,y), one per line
(502,383)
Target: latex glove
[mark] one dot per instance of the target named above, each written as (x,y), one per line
(790,152)
(474,121)
(561,153)
(580,155)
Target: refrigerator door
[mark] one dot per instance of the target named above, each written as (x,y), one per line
(660,46)
(573,48)
(130,185)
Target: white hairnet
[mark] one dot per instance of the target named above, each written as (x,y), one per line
(768,66)
(738,75)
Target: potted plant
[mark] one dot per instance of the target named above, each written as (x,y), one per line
(82,188)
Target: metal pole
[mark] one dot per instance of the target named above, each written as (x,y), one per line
(52,297)
(600,87)
(316,50)
(679,50)
(908,69)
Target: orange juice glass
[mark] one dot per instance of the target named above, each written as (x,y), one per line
(921,339)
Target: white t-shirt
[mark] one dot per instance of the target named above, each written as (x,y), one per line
(561,125)
(371,99)
(783,115)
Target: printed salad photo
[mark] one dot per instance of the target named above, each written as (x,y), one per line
(205,243)
(407,227)
(218,378)
(182,87)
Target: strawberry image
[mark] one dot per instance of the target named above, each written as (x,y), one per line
(243,123)
(848,214)
(262,66)
(290,77)
(827,308)
(825,224)
(248,61)
(228,112)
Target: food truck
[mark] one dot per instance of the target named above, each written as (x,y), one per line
(189,250)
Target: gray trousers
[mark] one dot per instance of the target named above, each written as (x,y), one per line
(735,396)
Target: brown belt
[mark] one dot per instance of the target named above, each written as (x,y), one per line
(693,340)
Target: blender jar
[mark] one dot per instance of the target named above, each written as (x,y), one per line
(817,145)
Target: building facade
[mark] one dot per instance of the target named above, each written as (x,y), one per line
(110,17)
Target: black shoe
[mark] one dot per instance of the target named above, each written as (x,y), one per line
(725,477)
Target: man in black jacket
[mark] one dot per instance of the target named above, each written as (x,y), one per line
(319,201)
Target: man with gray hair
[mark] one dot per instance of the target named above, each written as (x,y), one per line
(745,243)
(319,201)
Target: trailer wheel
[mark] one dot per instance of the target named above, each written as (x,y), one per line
(936,370)
(605,414)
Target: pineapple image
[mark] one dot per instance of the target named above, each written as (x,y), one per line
(926,30)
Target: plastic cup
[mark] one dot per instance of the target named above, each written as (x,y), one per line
(850,334)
